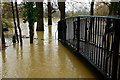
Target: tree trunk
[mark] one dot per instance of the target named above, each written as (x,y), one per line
(14,22)
(40,19)
(92,8)
(31,32)
(18,23)
(91,20)
(49,13)
(3,40)
(31,22)
(2,34)
(62,9)
(111,13)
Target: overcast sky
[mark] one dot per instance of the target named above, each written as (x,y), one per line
(86,1)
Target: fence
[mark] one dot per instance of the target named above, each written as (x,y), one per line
(97,39)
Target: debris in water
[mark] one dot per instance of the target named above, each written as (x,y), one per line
(24,36)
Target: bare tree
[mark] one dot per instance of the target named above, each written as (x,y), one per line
(2,36)
(91,19)
(92,8)
(49,13)
(14,22)
(18,23)
(3,39)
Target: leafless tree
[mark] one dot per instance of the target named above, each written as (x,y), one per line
(14,21)
(18,23)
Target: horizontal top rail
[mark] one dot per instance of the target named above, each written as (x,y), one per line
(111,17)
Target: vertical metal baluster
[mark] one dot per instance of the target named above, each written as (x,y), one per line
(69,31)
(90,38)
(86,36)
(93,40)
(82,37)
(86,31)
(87,44)
(91,47)
(78,36)
(73,35)
(102,28)
(98,44)
(104,43)
(108,45)
(96,41)
(110,65)
(111,53)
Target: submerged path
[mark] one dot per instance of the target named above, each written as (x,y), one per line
(46,58)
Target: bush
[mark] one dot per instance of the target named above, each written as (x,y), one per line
(6,24)
(14,39)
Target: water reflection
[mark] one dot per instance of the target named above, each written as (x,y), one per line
(14,45)
(21,52)
(45,58)
(3,62)
(3,56)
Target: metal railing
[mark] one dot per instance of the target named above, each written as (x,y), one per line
(97,39)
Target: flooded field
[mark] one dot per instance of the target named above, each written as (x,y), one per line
(45,58)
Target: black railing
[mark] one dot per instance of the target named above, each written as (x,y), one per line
(97,39)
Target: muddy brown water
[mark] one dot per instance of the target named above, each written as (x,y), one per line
(45,58)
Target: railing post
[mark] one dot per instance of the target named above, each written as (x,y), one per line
(78,32)
(65,26)
(116,25)
(108,43)
(59,30)
(62,30)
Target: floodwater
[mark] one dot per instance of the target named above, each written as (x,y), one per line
(45,58)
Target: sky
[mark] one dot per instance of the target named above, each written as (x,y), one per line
(19,1)
(86,1)
(70,4)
